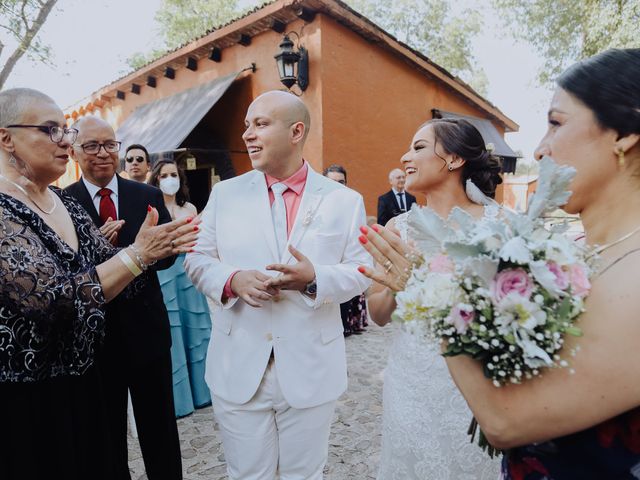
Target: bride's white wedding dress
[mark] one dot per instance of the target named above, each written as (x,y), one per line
(425,418)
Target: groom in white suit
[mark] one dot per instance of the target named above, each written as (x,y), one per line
(278,252)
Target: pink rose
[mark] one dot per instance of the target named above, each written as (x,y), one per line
(580,284)
(562,279)
(461,316)
(441,264)
(511,280)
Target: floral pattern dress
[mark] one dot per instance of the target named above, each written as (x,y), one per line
(51,328)
(609,451)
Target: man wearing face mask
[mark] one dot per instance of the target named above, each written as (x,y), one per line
(136,162)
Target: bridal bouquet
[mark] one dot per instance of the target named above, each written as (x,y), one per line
(504,289)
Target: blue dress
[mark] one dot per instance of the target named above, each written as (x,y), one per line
(609,451)
(190,333)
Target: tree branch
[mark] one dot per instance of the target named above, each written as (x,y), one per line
(27,40)
(23,16)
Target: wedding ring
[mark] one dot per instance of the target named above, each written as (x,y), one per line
(173,244)
(387,266)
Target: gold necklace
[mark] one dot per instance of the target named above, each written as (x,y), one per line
(602,248)
(23,190)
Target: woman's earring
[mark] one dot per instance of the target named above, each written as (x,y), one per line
(12,161)
(620,153)
(450,168)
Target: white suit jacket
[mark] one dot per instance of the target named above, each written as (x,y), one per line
(306,334)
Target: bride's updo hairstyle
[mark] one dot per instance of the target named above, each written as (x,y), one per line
(459,137)
(609,85)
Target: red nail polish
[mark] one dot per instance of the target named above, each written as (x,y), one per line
(363,239)
(364,229)
(361,269)
(148,208)
(189,220)
(196,228)
(376,228)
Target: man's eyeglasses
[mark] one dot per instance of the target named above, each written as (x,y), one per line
(55,132)
(93,148)
(135,159)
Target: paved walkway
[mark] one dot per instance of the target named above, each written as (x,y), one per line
(354,444)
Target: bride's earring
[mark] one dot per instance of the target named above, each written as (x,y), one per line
(620,153)
(12,161)
(450,167)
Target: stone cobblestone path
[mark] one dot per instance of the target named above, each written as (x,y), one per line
(354,444)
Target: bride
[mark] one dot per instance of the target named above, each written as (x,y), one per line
(425,417)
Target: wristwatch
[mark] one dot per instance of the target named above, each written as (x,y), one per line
(311,288)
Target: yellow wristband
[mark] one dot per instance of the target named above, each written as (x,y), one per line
(129,263)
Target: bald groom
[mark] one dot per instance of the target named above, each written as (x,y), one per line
(278,253)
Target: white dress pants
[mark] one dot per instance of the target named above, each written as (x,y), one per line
(266,435)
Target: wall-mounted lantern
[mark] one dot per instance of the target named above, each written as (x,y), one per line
(293,65)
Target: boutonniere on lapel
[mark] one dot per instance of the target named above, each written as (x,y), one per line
(308,217)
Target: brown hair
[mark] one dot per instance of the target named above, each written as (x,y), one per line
(182,195)
(459,137)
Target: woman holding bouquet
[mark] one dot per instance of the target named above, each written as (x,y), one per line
(584,425)
(425,417)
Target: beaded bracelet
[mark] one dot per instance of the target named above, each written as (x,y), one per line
(144,266)
(129,263)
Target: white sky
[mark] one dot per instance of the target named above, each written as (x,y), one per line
(91,40)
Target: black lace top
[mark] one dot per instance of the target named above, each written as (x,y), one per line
(51,300)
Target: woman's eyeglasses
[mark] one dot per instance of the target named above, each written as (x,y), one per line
(135,159)
(55,132)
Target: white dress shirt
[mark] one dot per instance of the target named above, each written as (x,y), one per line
(95,196)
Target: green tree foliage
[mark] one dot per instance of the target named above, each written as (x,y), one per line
(181,21)
(564,31)
(433,28)
(20,22)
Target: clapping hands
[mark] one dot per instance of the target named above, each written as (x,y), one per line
(255,287)
(156,242)
(394,258)
(110,229)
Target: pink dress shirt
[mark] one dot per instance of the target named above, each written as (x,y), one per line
(292,197)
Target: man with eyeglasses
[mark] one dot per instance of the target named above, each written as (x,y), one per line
(136,353)
(136,162)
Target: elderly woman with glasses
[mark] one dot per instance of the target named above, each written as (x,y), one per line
(56,273)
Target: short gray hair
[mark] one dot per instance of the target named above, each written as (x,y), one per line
(15,101)
(395,170)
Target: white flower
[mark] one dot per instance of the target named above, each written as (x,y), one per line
(308,218)
(439,291)
(516,251)
(559,249)
(534,356)
(514,308)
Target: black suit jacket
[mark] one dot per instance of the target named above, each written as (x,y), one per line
(137,328)
(388,206)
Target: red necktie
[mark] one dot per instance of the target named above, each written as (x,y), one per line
(107,207)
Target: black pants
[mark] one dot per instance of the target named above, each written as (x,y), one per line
(55,428)
(152,397)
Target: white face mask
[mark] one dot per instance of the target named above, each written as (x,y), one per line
(170,185)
